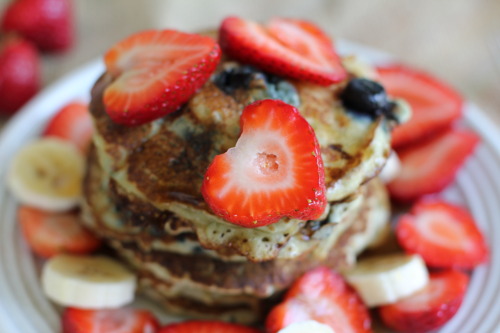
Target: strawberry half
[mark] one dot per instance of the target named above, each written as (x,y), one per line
(321,295)
(124,320)
(287,47)
(206,326)
(445,235)
(275,170)
(49,233)
(72,123)
(430,307)
(19,73)
(47,23)
(434,104)
(430,166)
(155,72)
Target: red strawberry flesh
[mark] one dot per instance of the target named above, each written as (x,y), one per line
(291,48)
(47,23)
(321,295)
(206,326)
(155,72)
(275,170)
(108,321)
(430,166)
(19,73)
(49,234)
(72,123)
(429,308)
(434,104)
(443,234)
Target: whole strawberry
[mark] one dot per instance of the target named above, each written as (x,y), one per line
(47,23)
(19,73)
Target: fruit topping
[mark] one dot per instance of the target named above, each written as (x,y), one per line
(19,73)
(258,84)
(125,320)
(206,326)
(391,169)
(368,97)
(49,233)
(47,174)
(445,235)
(155,72)
(307,326)
(386,279)
(431,165)
(286,47)
(46,23)
(72,123)
(87,282)
(434,104)
(323,296)
(430,307)
(238,77)
(274,171)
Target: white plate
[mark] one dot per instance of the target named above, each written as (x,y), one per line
(24,309)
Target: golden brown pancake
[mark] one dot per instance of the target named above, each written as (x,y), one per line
(157,168)
(188,281)
(142,195)
(150,228)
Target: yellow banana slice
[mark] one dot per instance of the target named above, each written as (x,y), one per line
(391,168)
(47,174)
(86,282)
(386,279)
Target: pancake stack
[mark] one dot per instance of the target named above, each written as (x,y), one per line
(142,194)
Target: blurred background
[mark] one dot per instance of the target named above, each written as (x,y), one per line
(457,40)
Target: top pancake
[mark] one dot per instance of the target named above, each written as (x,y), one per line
(166,159)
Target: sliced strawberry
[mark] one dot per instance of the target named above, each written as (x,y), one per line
(50,233)
(47,23)
(124,320)
(72,123)
(430,307)
(206,326)
(445,235)
(155,72)
(287,47)
(275,170)
(430,166)
(19,73)
(321,295)
(434,104)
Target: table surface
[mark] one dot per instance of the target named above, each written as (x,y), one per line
(456,40)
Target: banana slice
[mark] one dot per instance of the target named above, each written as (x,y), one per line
(391,168)
(307,326)
(88,282)
(47,174)
(386,279)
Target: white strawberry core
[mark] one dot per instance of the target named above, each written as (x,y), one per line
(301,42)
(266,164)
(114,321)
(261,161)
(437,228)
(311,53)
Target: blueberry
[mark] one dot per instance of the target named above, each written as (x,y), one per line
(236,78)
(366,96)
(284,91)
(258,84)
